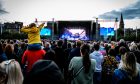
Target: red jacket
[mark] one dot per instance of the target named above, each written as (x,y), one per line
(30,57)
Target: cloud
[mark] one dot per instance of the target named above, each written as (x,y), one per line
(129,12)
(2,11)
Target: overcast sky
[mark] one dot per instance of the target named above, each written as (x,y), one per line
(27,10)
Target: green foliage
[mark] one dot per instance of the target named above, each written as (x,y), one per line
(45,37)
(120,34)
(14,35)
(130,37)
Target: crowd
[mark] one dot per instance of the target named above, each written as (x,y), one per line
(97,62)
(35,61)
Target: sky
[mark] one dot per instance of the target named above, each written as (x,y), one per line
(44,10)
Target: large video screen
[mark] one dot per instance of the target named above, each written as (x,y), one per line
(106,31)
(45,32)
(74,34)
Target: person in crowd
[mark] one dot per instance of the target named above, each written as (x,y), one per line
(74,44)
(136,51)
(138,45)
(97,55)
(53,44)
(16,48)
(44,72)
(1,41)
(113,44)
(60,57)
(3,57)
(120,44)
(75,51)
(102,49)
(83,67)
(21,51)
(122,51)
(128,73)
(107,47)
(138,58)
(66,53)
(13,72)
(47,46)
(64,46)
(9,52)
(108,66)
(50,55)
(1,50)
(33,32)
(8,41)
(30,57)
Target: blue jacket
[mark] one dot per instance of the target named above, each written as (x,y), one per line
(3,57)
(121,77)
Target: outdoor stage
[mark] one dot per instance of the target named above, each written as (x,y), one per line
(74,30)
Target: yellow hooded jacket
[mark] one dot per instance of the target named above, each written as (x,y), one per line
(33,33)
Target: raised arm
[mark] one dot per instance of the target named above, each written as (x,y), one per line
(41,25)
(25,29)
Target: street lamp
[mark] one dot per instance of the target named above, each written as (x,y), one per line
(136,33)
(116,21)
(97,32)
(52,28)
(1,26)
(97,37)
(91,32)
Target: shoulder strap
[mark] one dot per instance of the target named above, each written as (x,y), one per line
(78,71)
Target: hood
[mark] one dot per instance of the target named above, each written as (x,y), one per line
(44,72)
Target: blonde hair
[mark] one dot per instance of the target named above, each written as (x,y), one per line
(3,77)
(133,47)
(129,64)
(13,71)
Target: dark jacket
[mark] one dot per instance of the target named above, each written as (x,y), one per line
(74,52)
(59,57)
(3,57)
(44,72)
